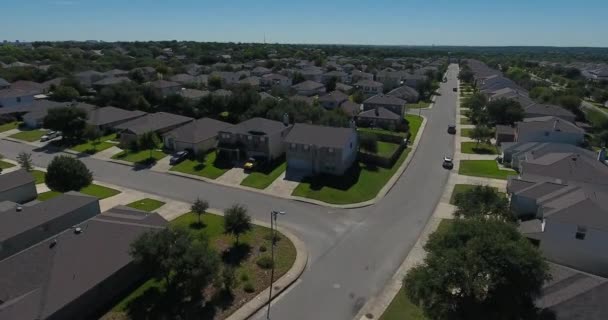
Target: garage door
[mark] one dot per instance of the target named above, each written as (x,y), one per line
(299,166)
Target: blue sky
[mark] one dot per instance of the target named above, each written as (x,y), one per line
(404,22)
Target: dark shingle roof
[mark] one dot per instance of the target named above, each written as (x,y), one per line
(193,93)
(308,85)
(368,83)
(111,81)
(159,84)
(548,110)
(257,125)
(379,113)
(153,122)
(568,167)
(334,96)
(14,179)
(199,130)
(548,123)
(404,92)
(385,99)
(320,136)
(107,115)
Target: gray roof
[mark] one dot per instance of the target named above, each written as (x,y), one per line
(256,126)
(385,99)
(308,85)
(252,81)
(266,95)
(29,86)
(159,84)
(404,92)
(199,130)
(343,87)
(111,81)
(152,122)
(548,110)
(193,93)
(14,180)
(540,189)
(350,108)
(548,123)
(298,98)
(505,130)
(379,113)
(41,280)
(580,206)
(108,115)
(115,72)
(516,185)
(13,93)
(40,108)
(182,78)
(567,167)
(320,136)
(368,83)
(334,96)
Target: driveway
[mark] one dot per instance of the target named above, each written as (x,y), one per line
(353,253)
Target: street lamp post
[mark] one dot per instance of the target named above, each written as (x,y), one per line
(273,234)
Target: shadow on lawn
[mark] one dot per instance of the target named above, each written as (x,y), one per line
(344,182)
(483,150)
(236,254)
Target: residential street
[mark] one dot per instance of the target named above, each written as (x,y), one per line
(353,253)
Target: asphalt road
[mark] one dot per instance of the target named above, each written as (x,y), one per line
(353,253)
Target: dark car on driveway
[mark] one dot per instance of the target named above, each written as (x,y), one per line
(178,157)
(452,129)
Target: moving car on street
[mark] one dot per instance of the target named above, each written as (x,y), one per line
(448,163)
(452,129)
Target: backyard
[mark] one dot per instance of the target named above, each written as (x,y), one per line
(148,300)
(29,135)
(386,149)
(262,179)
(212,168)
(478,148)
(484,168)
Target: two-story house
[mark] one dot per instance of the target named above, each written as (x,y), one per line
(272,80)
(369,87)
(392,103)
(313,149)
(332,100)
(309,88)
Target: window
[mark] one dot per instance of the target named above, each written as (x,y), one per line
(305,147)
(331,150)
(18,99)
(581,232)
(292,146)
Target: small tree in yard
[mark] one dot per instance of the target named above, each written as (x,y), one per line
(237,221)
(25,161)
(199,207)
(483,202)
(368,142)
(150,141)
(481,133)
(478,269)
(71,121)
(65,173)
(228,279)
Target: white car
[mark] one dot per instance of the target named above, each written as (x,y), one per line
(448,163)
(50,135)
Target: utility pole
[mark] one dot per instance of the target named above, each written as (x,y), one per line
(273,234)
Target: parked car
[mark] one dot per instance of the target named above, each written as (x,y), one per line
(50,135)
(448,163)
(250,164)
(452,129)
(178,157)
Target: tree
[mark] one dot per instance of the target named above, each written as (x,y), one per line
(466,75)
(478,269)
(481,133)
(25,161)
(368,142)
(149,141)
(476,103)
(603,138)
(237,221)
(176,257)
(199,207)
(66,173)
(215,82)
(297,78)
(63,93)
(228,279)
(331,84)
(482,202)
(504,111)
(358,97)
(71,121)
(91,133)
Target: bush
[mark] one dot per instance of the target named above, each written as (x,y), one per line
(248,287)
(244,277)
(263,249)
(66,173)
(265,262)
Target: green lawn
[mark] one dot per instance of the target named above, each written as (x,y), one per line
(211,168)
(92,147)
(465,121)
(466,132)
(358,184)
(478,148)
(5,165)
(146,204)
(460,188)
(401,308)
(38,175)
(418,105)
(415,123)
(47,195)
(29,135)
(140,156)
(147,296)
(261,180)
(381,131)
(464,112)
(386,149)
(483,168)
(9,126)
(596,117)
(98,191)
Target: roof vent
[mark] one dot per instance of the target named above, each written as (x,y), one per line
(53,243)
(19,208)
(78,230)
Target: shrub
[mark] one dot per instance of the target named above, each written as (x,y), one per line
(263,249)
(248,287)
(244,277)
(265,262)
(65,173)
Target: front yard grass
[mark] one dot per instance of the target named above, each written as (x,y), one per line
(466,132)
(5,165)
(418,105)
(29,135)
(262,179)
(212,168)
(47,195)
(147,300)
(98,191)
(402,308)
(146,204)
(360,183)
(478,148)
(38,176)
(484,168)
(381,131)
(386,149)
(465,121)
(139,157)
(460,188)
(415,123)
(9,126)
(92,147)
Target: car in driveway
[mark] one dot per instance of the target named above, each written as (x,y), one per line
(452,129)
(50,136)
(448,162)
(250,164)
(178,157)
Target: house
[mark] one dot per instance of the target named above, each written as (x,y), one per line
(309,88)
(222,93)
(358,75)
(18,186)
(24,226)
(260,71)
(515,153)
(147,73)
(159,122)
(256,137)
(392,103)
(183,78)
(512,94)
(312,74)
(544,110)
(266,95)
(310,101)
(412,80)
(87,78)
(271,80)
(164,88)
(379,117)
(253,81)
(390,78)
(40,108)
(78,272)
(116,73)
(104,119)
(369,87)
(226,77)
(313,149)
(199,135)
(4,84)
(340,76)
(29,86)
(15,99)
(406,93)
(351,109)
(548,129)
(344,87)
(503,134)
(332,100)
(110,81)
(193,94)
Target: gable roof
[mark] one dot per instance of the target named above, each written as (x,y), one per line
(548,123)
(159,84)
(152,122)
(579,207)
(379,113)
(566,167)
(404,92)
(111,81)
(257,126)
(320,136)
(108,115)
(308,85)
(334,96)
(199,130)
(29,86)
(194,93)
(385,99)
(548,110)
(15,179)
(368,83)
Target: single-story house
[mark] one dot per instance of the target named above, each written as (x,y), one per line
(199,135)
(108,117)
(391,103)
(313,149)
(39,109)
(548,129)
(309,88)
(18,186)
(159,122)
(165,88)
(256,137)
(332,100)
(369,87)
(15,99)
